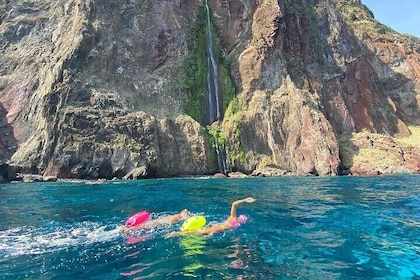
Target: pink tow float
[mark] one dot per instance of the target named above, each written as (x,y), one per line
(137,219)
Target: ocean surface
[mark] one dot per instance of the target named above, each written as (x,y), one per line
(298,228)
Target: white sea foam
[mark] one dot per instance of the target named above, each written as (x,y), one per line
(31,240)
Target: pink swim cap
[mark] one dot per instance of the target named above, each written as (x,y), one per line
(242,219)
(137,219)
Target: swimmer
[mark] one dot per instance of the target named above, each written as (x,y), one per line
(233,221)
(160,222)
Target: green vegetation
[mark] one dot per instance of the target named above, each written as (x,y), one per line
(238,156)
(373,156)
(217,134)
(356,150)
(235,115)
(266,161)
(195,69)
(412,141)
(218,140)
(361,18)
(367,149)
(233,119)
(224,64)
(226,83)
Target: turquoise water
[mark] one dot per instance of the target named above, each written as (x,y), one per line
(299,228)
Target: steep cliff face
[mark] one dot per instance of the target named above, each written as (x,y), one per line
(309,75)
(96,88)
(282,119)
(77,77)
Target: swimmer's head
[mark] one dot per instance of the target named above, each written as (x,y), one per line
(241,219)
(184,213)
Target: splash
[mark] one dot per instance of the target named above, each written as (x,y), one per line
(32,240)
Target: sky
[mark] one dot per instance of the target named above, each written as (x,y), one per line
(402,15)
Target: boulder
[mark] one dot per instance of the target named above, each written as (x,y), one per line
(269,172)
(237,175)
(219,175)
(137,173)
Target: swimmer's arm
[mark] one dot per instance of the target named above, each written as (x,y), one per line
(236,203)
(200,232)
(176,233)
(173,219)
(177,217)
(125,228)
(184,233)
(145,225)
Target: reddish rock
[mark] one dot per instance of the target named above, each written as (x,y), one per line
(362,171)
(219,175)
(58,168)
(413,162)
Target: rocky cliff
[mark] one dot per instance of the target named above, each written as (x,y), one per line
(312,72)
(101,89)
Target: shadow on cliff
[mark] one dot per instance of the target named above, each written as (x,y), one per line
(354,96)
(347,150)
(372,102)
(8,143)
(359,91)
(179,153)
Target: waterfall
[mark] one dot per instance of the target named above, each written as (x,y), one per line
(214,98)
(214,101)
(223,161)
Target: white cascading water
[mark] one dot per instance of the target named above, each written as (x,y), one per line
(214,97)
(212,75)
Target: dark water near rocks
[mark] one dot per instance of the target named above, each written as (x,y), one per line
(299,228)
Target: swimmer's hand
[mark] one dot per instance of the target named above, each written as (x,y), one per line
(250,199)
